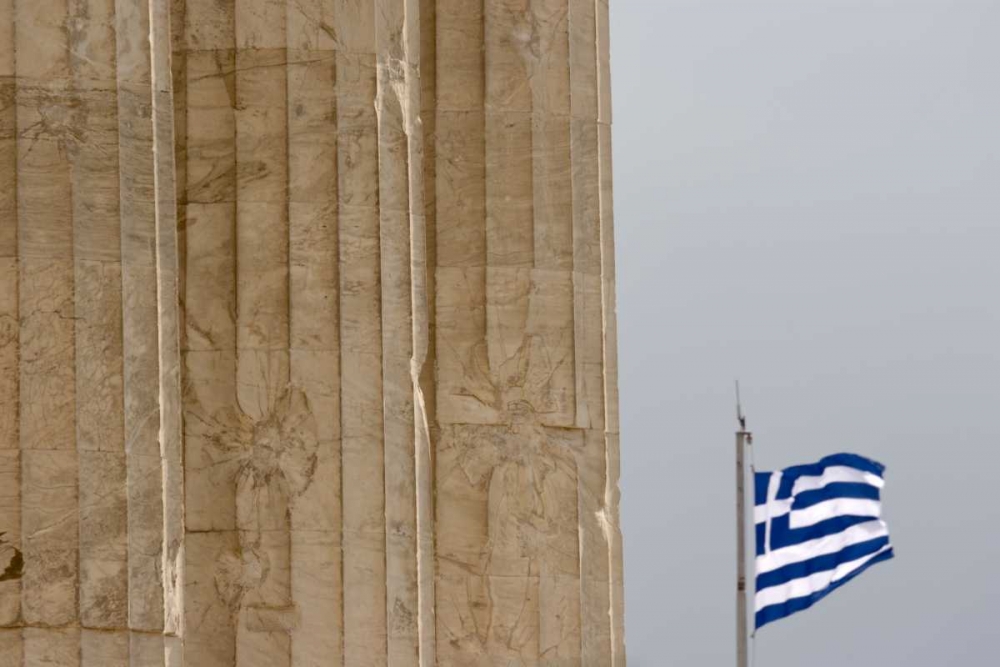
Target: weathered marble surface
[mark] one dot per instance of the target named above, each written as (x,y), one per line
(307,334)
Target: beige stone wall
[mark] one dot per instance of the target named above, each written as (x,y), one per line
(307,334)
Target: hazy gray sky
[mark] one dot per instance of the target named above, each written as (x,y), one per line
(807,196)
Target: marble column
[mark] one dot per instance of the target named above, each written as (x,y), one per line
(527,540)
(307,334)
(90,444)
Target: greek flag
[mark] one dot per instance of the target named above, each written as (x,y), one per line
(818,526)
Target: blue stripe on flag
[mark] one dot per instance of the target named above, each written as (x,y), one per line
(778,611)
(784,536)
(760,480)
(847,460)
(836,490)
(819,563)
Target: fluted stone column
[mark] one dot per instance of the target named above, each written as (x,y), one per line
(91,499)
(307,334)
(526,451)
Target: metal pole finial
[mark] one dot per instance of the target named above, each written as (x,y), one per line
(740,417)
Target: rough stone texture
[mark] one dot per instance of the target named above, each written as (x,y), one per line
(307,334)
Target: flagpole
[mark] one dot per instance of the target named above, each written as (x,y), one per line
(741,565)
(743,439)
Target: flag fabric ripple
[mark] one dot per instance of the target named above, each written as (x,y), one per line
(818,526)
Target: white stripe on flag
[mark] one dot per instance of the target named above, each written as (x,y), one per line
(829,509)
(797,588)
(836,474)
(821,546)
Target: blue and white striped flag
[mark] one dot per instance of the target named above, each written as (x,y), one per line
(818,527)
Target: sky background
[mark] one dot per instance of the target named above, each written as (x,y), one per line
(807,197)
